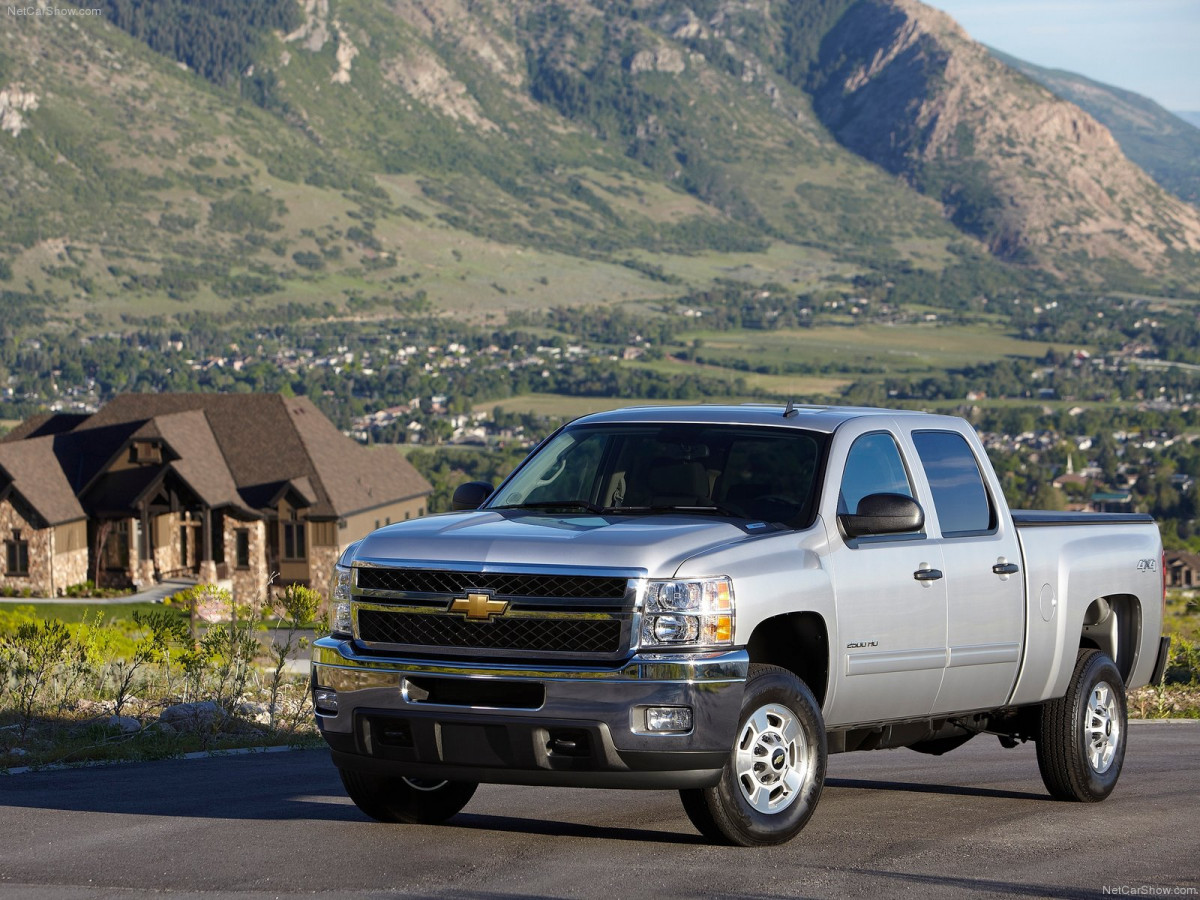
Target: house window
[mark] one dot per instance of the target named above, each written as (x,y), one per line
(16,555)
(293,539)
(241,540)
(145,452)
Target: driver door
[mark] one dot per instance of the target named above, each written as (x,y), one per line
(891,597)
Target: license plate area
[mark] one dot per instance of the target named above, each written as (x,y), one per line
(479,693)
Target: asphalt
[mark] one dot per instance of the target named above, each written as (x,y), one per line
(974,823)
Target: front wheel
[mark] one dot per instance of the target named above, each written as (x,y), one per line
(1081,742)
(414,801)
(772,780)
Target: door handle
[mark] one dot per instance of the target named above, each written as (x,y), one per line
(1006,568)
(927,574)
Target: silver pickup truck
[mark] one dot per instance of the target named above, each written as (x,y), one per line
(712,599)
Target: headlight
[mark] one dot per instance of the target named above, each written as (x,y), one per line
(341,601)
(695,612)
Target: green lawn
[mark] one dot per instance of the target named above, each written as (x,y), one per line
(911,347)
(73,613)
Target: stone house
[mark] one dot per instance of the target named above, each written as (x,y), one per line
(230,488)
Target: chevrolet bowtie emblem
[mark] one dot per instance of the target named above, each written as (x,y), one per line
(479,607)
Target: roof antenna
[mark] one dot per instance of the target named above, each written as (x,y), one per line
(791,409)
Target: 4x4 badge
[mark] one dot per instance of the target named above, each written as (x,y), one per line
(479,607)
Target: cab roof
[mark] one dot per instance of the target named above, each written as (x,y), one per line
(825,419)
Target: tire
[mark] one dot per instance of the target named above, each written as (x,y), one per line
(772,780)
(1082,736)
(413,801)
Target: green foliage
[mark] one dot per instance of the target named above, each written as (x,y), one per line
(245,211)
(216,38)
(309,260)
(88,589)
(30,659)
(297,606)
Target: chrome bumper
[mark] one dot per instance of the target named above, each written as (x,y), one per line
(583,726)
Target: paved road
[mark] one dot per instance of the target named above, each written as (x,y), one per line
(975,823)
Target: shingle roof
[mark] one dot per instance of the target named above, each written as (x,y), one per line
(244,449)
(44,424)
(354,477)
(28,466)
(200,462)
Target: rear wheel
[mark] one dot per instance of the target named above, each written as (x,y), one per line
(772,780)
(415,801)
(1081,743)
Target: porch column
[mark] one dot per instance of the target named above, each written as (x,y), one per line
(144,571)
(207,568)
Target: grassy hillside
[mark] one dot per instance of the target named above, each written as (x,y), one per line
(370,160)
(477,158)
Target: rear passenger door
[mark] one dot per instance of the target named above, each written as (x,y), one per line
(985,588)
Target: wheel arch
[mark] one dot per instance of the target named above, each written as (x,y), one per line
(798,642)
(1113,625)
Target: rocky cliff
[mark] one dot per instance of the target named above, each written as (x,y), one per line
(1033,176)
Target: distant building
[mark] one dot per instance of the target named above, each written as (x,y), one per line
(1112,501)
(1182,569)
(228,488)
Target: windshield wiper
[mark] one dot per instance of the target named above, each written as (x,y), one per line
(557,504)
(706,508)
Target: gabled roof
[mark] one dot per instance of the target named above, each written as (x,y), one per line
(199,462)
(44,424)
(355,478)
(1177,558)
(28,468)
(243,450)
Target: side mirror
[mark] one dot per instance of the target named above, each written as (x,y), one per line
(883,514)
(470,495)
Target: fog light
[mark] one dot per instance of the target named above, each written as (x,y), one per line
(325,701)
(668,718)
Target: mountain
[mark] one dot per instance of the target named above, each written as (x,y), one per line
(1192,117)
(1035,177)
(481,156)
(473,157)
(1163,143)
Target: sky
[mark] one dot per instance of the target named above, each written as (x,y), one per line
(1151,47)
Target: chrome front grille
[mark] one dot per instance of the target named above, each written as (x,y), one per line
(501,584)
(544,614)
(536,634)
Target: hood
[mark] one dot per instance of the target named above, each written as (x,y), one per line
(652,544)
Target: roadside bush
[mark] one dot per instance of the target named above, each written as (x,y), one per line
(297,606)
(88,589)
(216,679)
(29,660)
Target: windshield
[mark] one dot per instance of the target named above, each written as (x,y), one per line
(765,474)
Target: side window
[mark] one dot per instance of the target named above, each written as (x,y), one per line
(959,496)
(873,466)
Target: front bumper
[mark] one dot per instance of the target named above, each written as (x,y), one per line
(512,724)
